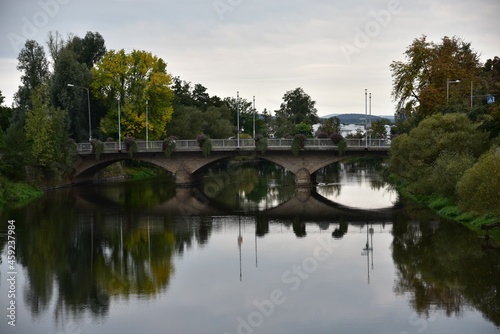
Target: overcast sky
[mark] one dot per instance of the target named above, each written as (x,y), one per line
(333,49)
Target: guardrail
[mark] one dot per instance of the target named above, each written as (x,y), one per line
(233,144)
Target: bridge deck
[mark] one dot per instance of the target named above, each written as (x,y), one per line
(242,144)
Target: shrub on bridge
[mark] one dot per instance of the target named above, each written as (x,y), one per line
(169,145)
(261,144)
(298,143)
(205,144)
(339,140)
(97,147)
(130,145)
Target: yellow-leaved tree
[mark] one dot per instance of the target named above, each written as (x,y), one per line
(140,83)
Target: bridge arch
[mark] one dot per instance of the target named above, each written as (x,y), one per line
(187,165)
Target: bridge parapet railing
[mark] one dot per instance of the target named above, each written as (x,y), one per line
(317,142)
(187,145)
(369,143)
(232,144)
(279,142)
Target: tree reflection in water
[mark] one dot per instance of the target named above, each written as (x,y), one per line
(441,266)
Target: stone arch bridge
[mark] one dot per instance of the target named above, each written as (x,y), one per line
(187,161)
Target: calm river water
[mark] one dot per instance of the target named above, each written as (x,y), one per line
(244,253)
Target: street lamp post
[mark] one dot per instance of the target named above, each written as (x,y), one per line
(448,82)
(147,126)
(119,126)
(370,113)
(88,105)
(238,117)
(366,120)
(254,117)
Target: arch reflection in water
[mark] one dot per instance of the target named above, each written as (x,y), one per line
(356,185)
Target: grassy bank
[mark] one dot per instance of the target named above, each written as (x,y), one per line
(130,171)
(447,208)
(141,172)
(14,194)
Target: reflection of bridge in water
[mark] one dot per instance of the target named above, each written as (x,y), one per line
(305,205)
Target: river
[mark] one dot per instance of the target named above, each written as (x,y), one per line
(246,252)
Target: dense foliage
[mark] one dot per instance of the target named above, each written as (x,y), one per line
(447,144)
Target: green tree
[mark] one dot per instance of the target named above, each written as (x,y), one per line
(5,114)
(330,126)
(479,188)
(35,70)
(303,129)
(45,129)
(282,126)
(413,155)
(217,123)
(378,129)
(73,60)
(67,70)
(135,78)
(187,122)
(298,107)
(16,155)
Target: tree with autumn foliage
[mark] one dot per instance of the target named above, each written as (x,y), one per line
(420,82)
(139,80)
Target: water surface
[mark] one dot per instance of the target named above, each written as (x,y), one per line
(246,252)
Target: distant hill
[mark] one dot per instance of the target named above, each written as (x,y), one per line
(357,118)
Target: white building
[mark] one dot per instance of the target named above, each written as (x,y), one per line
(351,129)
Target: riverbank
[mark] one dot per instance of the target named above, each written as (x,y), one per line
(447,208)
(14,194)
(129,171)
(18,194)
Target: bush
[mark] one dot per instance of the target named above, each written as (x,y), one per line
(342,147)
(206,148)
(336,138)
(412,156)
(479,188)
(130,145)
(97,147)
(339,140)
(298,143)
(169,145)
(261,144)
(447,170)
(201,139)
(322,135)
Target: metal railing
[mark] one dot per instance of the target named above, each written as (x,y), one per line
(234,144)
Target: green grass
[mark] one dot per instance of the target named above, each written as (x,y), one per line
(14,194)
(447,208)
(140,173)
